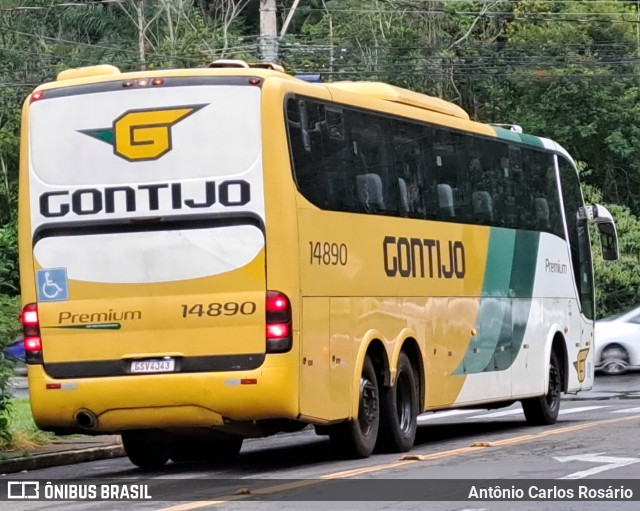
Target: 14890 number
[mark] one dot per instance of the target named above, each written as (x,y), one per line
(323,252)
(219,309)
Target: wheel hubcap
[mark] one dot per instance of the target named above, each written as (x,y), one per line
(403,402)
(368,411)
(553,396)
(614,361)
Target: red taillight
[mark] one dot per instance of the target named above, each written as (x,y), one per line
(30,320)
(276,302)
(30,317)
(31,331)
(157,81)
(278,328)
(33,343)
(37,95)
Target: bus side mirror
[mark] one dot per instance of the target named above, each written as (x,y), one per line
(599,215)
(608,241)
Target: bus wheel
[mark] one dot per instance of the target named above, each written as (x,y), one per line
(543,410)
(399,410)
(357,438)
(223,451)
(143,452)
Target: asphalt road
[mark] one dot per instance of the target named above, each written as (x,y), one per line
(595,439)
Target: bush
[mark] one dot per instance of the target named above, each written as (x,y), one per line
(9,328)
(617,282)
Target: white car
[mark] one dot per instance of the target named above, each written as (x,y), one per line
(617,341)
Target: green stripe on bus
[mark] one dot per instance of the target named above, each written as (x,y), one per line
(531,140)
(517,307)
(494,310)
(497,273)
(505,303)
(523,276)
(522,138)
(508,135)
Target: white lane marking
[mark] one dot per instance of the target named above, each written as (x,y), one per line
(518,410)
(610,462)
(504,413)
(581,409)
(440,415)
(627,410)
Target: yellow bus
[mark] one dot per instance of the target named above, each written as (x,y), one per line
(209,255)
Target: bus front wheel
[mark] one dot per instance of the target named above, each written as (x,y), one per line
(399,417)
(543,410)
(144,452)
(357,438)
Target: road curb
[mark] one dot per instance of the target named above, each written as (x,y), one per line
(54,459)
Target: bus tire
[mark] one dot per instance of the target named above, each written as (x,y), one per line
(357,438)
(399,410)
(224,450)
(543,410)
(144,453)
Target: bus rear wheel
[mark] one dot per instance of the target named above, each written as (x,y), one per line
(543,410)
(144,452)
(399,417)
(357,438)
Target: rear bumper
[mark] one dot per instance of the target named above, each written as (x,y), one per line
(168,400)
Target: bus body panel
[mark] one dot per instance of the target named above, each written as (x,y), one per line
(123,402)
(489,345)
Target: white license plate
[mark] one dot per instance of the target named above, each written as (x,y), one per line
(163,365)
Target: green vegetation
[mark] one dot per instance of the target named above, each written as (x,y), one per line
(8,330)
(565,70)
(23,432)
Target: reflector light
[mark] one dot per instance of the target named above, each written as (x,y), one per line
(277,330)
(157,81)
(53,386)
(37,95)
(32,343)
(248,381)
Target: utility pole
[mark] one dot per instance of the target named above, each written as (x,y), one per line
(268,31)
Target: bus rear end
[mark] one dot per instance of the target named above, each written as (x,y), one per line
(143,273)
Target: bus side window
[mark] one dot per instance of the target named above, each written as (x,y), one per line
(311,155)
(372,154)
(370,193)
(334,120)
(543,198)
(409,163)
(449,192)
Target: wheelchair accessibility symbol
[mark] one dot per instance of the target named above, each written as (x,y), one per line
(52,285)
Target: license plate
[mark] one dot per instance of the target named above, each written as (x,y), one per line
(164,365)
